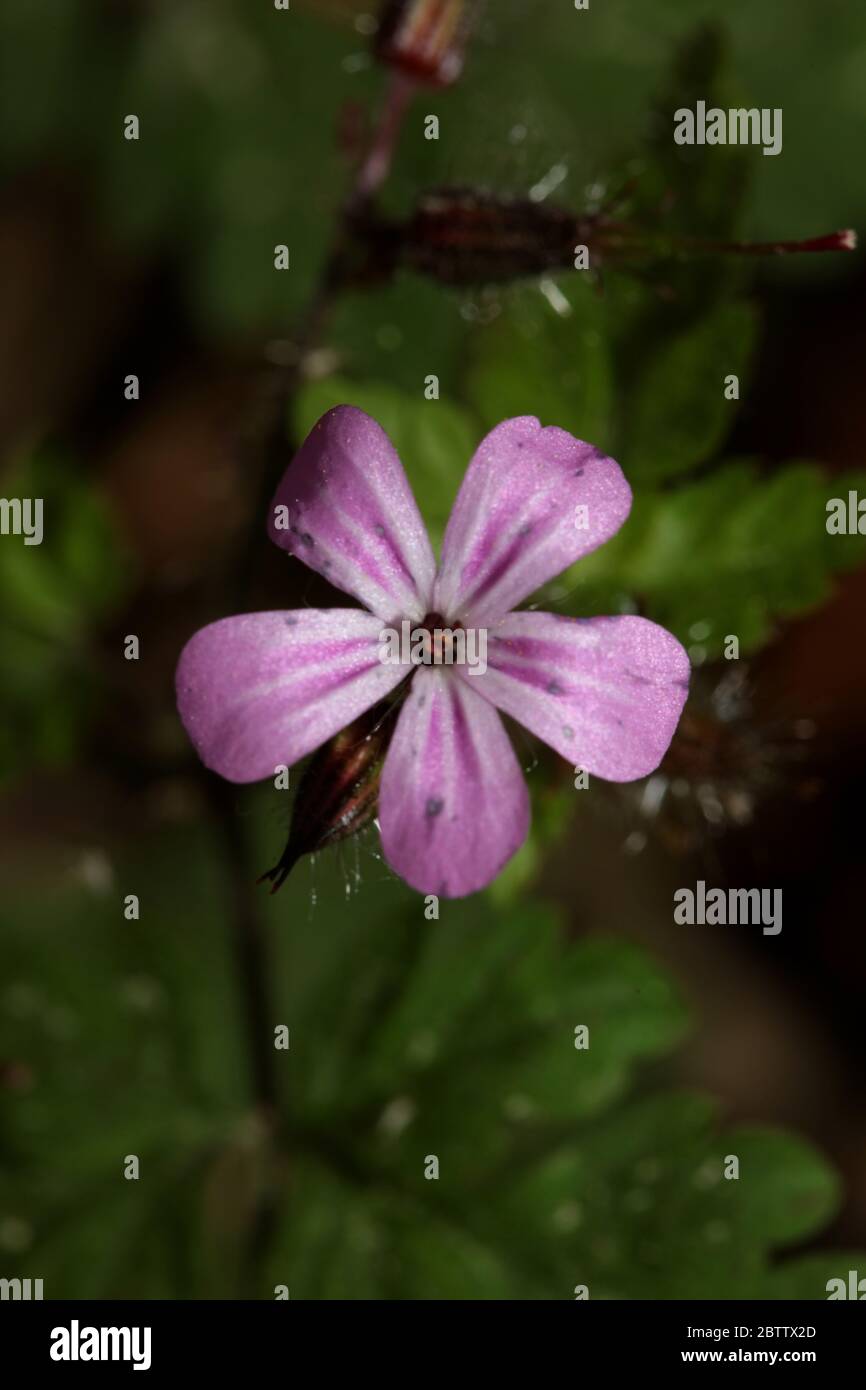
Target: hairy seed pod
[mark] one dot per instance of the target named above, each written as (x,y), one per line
(463,236)
(339,790)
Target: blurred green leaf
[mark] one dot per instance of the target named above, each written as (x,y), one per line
(733,553)
(695,190)
(409,1039)
(53,595)
(532,361)
(77,571)
(552,808)
(801,1277)
(789,1193)
(375,333)
(655,1216)
(678,413)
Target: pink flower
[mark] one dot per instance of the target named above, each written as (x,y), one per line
(265,689)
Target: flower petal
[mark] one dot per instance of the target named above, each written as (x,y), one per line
(351,516)
(265,689)
(606,693)
(453,805)
(516,521)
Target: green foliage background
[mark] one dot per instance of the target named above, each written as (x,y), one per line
(558,1166)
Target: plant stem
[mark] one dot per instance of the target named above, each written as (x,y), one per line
(267,439)
(249,946)
(338,273)
(250,949)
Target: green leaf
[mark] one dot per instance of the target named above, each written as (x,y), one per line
(532,361)
(808,1276)
(678,413)
(411,1040)
(701,187)
(734,553)
(77,571)
(786,1191)
(53,596)
(552,808)
(400,332)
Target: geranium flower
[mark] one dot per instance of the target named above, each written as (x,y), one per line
(265,689)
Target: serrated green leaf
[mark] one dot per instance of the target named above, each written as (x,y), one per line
(678,413)
(734,553)
(550,1171)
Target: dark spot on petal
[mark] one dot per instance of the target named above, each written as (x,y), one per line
(637,678)
(290,621)
(554,688)
(683,685)
(443,888)
(567,731)
(421,701)
(525,530)
(307,538)
(433,807)
(379,529)
(578,472)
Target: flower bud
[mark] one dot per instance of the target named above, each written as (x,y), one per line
(424,38)
(461,237)
(339,790)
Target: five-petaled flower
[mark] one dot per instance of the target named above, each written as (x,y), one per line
(265,689)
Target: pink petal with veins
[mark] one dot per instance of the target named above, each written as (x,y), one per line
(533,501)
(264,689)
(606,693)
(352,516)
(453,805)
